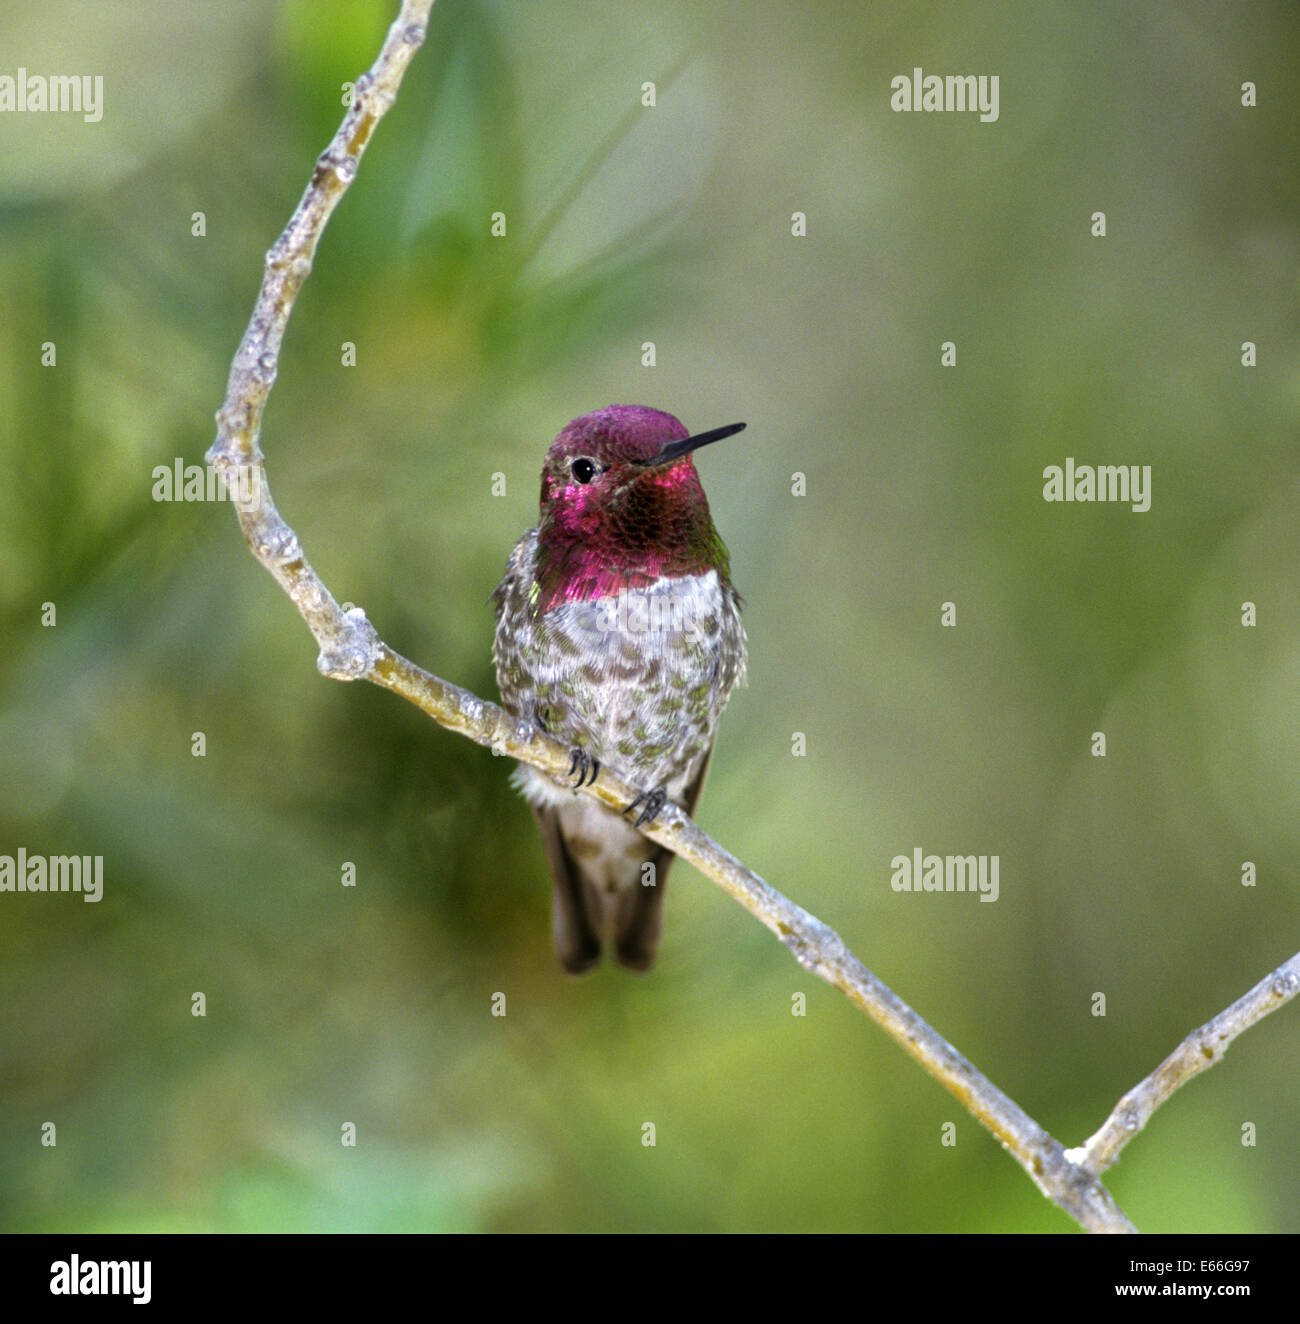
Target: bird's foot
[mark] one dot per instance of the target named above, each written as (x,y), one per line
(651,803)
(585,768)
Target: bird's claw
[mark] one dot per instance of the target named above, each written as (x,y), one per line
(651,803)
(584,767)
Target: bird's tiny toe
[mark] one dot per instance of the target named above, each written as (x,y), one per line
(650,802)
(583,768)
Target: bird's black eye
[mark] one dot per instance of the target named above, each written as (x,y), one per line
(583,469)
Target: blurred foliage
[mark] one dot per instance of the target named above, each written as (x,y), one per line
(372,1005)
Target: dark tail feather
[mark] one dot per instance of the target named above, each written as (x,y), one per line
(641,909)
(584,916)
(575,911)
(639,917)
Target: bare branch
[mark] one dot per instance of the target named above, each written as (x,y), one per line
(350,649)
(347,642)
(1198,1052)
(817,947)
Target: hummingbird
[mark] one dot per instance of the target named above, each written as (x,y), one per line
(618,632)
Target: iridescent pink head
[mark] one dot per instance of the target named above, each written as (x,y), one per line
(622,506)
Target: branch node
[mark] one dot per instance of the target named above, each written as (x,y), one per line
(472,709)
(345,168)
(224,455)
(803,947)
(266,368)
(353,651)
(508,731)
(278,545)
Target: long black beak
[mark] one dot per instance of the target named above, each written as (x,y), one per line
(676,449)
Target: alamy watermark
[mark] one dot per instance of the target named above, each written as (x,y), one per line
(200,482)
(78,94)
(919,872)
(653,613)
(949,92)
(53,873)
(77,1277)
(1126,483)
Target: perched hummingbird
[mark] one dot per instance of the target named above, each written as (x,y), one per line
(618,632)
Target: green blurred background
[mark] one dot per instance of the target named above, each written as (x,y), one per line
(372,1004)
